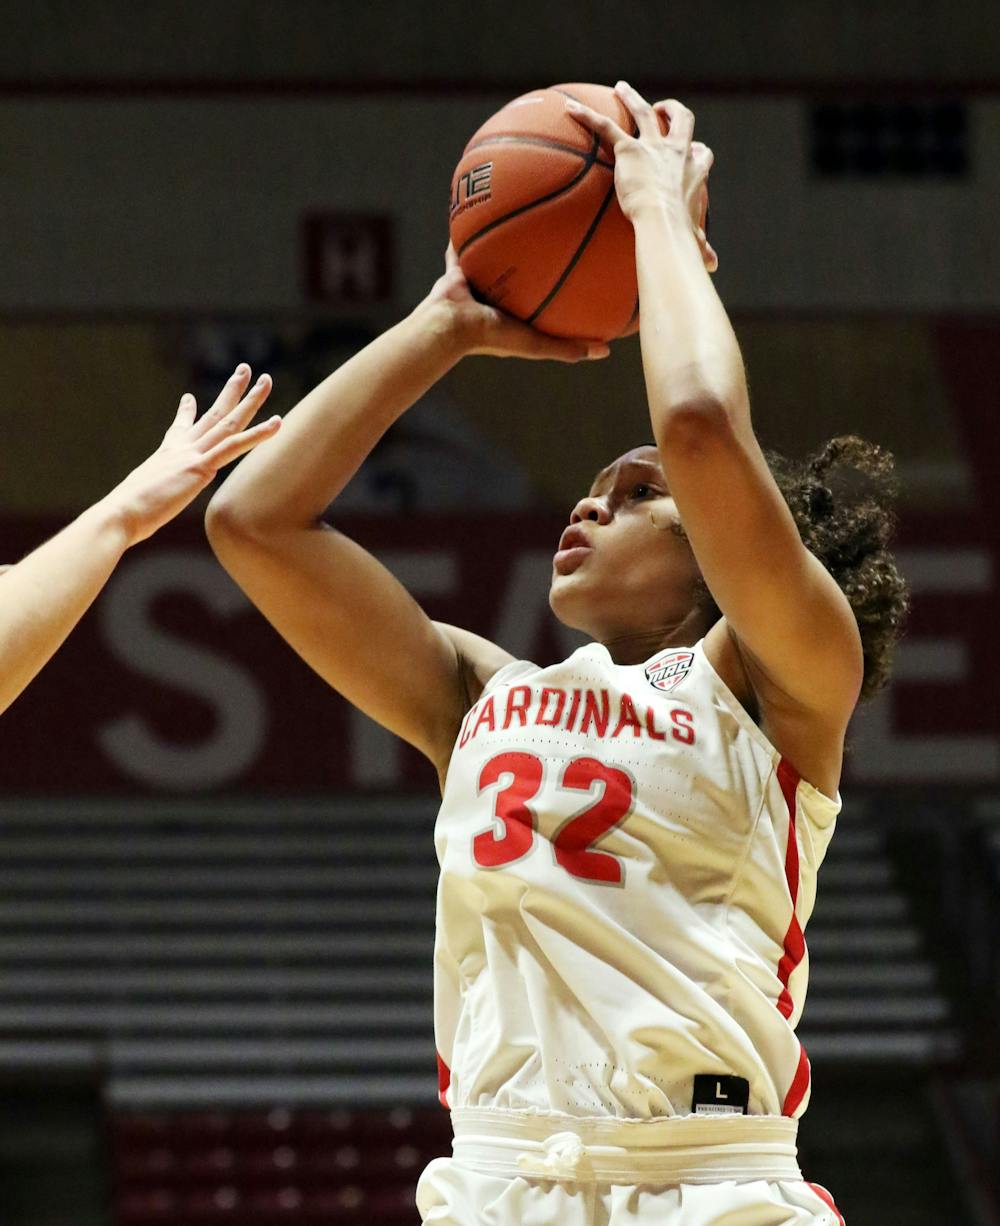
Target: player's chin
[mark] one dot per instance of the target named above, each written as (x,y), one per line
(568,600)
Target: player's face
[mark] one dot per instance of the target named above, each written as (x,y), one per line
(618,575)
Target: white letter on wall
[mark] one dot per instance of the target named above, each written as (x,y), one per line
(238,702)
(883,755)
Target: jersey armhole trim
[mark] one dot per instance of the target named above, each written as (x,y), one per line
(507,672)
(814,799)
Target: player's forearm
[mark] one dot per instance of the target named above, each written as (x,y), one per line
(690,355)
(325,439)
(44,596)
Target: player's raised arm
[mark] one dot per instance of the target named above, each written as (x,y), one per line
(337,606)
(798,636)
(44,595)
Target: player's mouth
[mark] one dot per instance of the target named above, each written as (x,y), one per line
(573,550)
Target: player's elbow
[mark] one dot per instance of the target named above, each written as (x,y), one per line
(227,523)
(235,529)
(694,424)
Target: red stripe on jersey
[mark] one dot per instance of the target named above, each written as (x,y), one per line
(795,948)
(800,1083)
(825,1196)
(444,1081)
(795,942)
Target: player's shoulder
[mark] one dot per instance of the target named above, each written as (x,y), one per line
(721,649)
(812,741)
(479,659)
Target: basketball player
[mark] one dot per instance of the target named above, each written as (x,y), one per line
(629,839)
(44,595)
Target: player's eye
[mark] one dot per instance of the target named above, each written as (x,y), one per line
(642,490)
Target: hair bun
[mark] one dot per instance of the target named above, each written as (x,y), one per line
(820,501)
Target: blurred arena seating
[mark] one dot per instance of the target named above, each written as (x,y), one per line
(222,955)
(250,984)
(243,954)
(985,906)
(874,994)
(264,1167)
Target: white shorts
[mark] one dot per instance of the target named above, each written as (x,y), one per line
(515,1168)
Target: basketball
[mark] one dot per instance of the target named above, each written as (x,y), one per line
(535,220)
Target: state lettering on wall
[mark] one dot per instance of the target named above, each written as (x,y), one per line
(174,684)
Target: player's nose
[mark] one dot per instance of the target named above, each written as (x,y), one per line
(594,509)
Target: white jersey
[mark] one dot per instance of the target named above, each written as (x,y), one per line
(627,868)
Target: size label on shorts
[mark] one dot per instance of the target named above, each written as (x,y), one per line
(715,1095)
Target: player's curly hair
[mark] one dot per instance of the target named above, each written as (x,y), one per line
(841,498)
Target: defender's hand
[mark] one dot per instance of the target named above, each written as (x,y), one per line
(191,453)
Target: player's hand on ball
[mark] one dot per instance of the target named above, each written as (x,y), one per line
(191,453)
(483,329)
(661,167)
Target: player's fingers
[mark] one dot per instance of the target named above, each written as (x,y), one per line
(702,158)
(701,201)
(187,410)
(606,129)
(696,174)
(680,122)
(640,110)
(230,449)
(239,416)
(511,338)
(559,349)
(183,419)
(708,252)
(450,257)
(232,390)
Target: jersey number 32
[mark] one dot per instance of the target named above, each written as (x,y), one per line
(511,834)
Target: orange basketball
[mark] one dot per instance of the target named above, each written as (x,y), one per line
(535,220)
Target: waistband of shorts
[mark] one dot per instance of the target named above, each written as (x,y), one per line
(672,1150)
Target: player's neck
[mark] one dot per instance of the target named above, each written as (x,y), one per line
(633,647)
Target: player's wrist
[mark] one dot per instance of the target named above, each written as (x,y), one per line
(448,326)
(663,227)
(648,209)
(113,521)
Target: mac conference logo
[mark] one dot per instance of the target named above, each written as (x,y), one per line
(666,672)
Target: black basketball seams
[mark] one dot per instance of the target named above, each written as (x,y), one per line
(518,138)
(566,94)
(609,196)
(590,159)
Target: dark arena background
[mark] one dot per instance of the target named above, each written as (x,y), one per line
(216,880)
